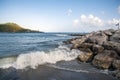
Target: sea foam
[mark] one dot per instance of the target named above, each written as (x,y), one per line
(33,59)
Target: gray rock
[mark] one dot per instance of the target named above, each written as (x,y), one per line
(97,38)
(109,32)
(118,74)
(97,49)
(105,59)
(75,46)
(86,45)
(112,46)
(116,64)
(116,36)
(81,40)
(85,55)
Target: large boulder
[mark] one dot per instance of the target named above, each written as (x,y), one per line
(75,46)
(86,45)
(81,40)
(116,36)
(116,64)
(112,46)
(85,55)
(78,41)
(105,59)
(82,45)
(97,49)
(97,38)
(109,32)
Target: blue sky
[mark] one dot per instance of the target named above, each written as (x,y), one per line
(61,15)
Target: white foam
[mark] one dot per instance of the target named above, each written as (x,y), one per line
(61,34)
(34,59)
(68,69)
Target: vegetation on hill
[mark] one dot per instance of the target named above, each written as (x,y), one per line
(13,27)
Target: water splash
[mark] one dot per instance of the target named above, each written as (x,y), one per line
(34,59)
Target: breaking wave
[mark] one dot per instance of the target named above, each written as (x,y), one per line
(33,59)
(61,34)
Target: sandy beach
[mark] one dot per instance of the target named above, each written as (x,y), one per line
(46,72)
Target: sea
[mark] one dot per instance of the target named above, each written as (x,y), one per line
(43,56)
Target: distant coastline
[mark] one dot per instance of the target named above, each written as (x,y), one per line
(15,28)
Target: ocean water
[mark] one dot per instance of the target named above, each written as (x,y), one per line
(43,56)
(21,50)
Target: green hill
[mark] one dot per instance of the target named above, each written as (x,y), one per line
(13,27)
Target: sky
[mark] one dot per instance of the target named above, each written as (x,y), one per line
(61,15)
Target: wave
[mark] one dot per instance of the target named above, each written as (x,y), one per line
(33,59)
(61,34)
(69,69)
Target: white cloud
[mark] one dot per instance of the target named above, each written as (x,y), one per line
(89,20)
(83,18)
(76,22)
(113,22)
(119,9)
(69,12)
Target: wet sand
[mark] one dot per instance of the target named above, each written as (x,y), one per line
(48,73)
(45,72)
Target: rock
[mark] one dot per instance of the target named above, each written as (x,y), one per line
(75,46)
(85,45)
(116,74)
(105,59)
(81,40)
(85,55)
(112,46)
(109,32)
(97,38)
(69,41)
(116,36)
(116,64)
(78,34)
(78,41)
(97,49)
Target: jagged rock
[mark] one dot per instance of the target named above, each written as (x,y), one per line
(82,34)
(109,32)
(78,41)
(85,45)
(85,55)
(105,59)
(97,49)
(118,74)
(116,36)
(75,46)
(116,64)
(97,38)
(81,40)
(112,46)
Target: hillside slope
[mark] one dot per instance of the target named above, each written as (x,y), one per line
(13,27)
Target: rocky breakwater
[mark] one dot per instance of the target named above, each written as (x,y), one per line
(101,49)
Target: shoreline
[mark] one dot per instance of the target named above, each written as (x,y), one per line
(46,72)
